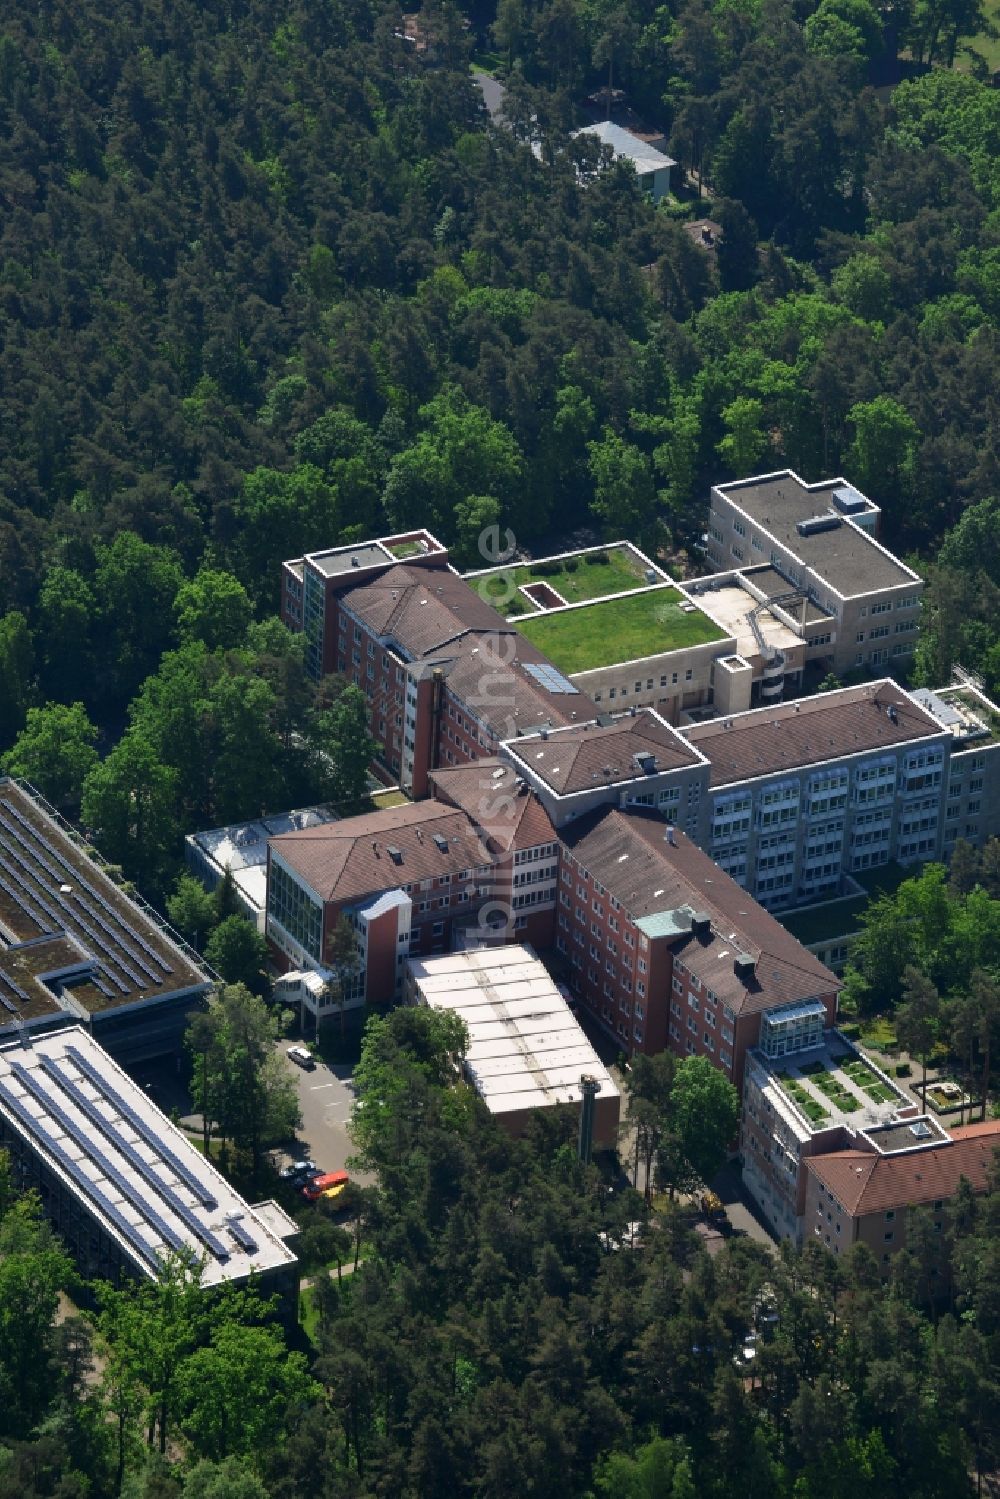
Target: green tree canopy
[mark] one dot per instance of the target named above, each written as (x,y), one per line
(213,607)
(238,952)
(55,751)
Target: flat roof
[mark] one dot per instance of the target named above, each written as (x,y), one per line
(610,632)
(525,1048)
(829,1087)
(349,559)
(844,556)
(773,584)
(565,578)
(810,730)
(135,1172)
(964,709)
(243,845)
(70,938)
(731,605)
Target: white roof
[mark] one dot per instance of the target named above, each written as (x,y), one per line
(525,1048)
(243,845)
(135,1172)
(644,158)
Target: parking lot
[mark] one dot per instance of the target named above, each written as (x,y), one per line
(325,1098)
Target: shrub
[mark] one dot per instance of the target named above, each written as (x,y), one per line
(571,564)
(903,1069)
(545,569)
(851,1032)
(598,559)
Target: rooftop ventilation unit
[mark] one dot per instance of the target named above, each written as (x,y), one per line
(395,854)
(441,842)
(645,761)
(849,500)
(921,1129)
(743,967)
(701,923)
(817,523)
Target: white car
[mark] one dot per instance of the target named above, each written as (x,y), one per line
(301,1057)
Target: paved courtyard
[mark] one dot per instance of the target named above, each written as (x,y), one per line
(326,1097)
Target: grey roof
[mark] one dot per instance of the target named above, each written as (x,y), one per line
(845,557)
(349,559)
(644,158)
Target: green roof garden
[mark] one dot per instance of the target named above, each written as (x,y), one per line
(577,578)
(623,629)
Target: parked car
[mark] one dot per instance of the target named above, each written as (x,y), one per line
(299,1169)
(302,1057)
(321,1185)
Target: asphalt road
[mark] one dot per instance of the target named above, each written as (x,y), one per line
(325,1098)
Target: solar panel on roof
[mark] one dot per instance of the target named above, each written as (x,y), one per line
(93,1153)
(548,677)
(111,1095)
(95,894)
(239,1233)
(90,1188)
(71,921)
(28,907)
(169,1196)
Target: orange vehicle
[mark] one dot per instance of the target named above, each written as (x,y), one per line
(329,1185)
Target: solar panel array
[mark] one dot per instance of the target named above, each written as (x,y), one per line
(150,1173)
(548,677)
(33,870)
(142,1129)
(108,1210)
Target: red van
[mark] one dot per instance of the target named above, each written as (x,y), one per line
(320,1185)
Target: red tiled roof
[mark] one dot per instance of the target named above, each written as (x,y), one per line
(594,754)
(496,800)
(345,861)
(863,1182)
(628,853)
(422,609)
(791,735)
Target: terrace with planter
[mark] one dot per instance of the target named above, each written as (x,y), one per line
(836,1086)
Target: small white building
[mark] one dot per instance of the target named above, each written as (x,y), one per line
(652,167)
(526,1051)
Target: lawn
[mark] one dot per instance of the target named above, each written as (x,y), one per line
(390,797)
(863,1076)
(810,1106)
(987,46)
(576,578)
(834,1089)
(878,1033)
(403,549)
(604,634)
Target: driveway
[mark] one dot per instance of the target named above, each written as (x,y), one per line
(325,1098)
(493,93)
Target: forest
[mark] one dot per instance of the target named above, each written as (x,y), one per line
(270,280)
(518,1325)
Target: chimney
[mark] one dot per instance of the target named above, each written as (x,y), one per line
(670,835)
